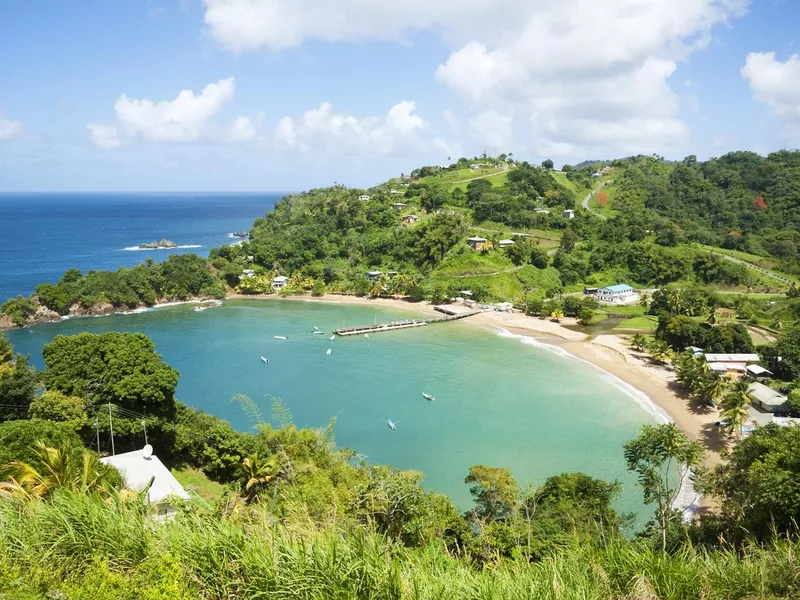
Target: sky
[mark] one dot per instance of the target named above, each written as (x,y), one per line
(258,95)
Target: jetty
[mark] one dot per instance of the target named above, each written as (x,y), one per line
(451,314)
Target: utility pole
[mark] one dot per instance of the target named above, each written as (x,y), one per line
(144,426)
(111,427)
(97,429)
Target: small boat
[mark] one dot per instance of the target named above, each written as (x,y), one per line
(391,424)
(328,353)
(280,337)
(333,337)
(318,332)
(366,336)
(428,397)
(316,328)
(265,360)
(201,308)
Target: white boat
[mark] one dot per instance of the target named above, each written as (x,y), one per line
(316,328)
(428,397)
(201,308)
(329,351)
(280,337)
(391,424)
(318,332)
(366,336)
(265,360)
(333,337)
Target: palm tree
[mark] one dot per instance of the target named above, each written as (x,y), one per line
(257,473)
(714,387)
(661,352)
(65,468)
(644,301)
(735,407)
(557,315)
(638,342)
(777,324)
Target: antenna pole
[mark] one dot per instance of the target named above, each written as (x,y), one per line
(144,426)
(111,426)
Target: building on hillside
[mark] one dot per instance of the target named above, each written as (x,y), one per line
(247,274)
(505,243)
(364,197)
(374,275)
(768,400)
(410,219)
(396,192)
(279,282)
(399,205)
(139,468)
(730,364)
(569,213)
(618,294)
(477,243)
(596,175)
(542,211)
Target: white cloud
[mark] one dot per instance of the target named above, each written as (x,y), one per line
(186,119)
(493,128)
(322,131)
(9,129)
(776,84)
(585,77)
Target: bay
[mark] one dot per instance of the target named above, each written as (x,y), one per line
(498,401)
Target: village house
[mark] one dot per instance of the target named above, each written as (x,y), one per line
(478,243)
(731,364)
(396,192)
(505,243)
(617,294)
(139,468)
(279,282)
(768,400)
(374,275)
(247,274)
(569,214)
(410,219)
(542,211)
(364,197)
(399,205)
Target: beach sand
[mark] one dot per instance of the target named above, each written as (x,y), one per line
(608,352)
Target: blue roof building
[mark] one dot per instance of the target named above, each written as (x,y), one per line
(620,288)
(620,293)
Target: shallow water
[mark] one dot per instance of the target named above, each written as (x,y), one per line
(499,402)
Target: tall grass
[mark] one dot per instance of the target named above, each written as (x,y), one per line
(85,547)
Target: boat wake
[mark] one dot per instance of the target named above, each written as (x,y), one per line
(687,498)
(182,247)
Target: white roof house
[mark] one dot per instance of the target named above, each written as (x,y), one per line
(505,243)
(399,205)
(279,282)
(138,468)
(732,358)
(758,371)
(364,197)
(767,399)
(373,275)
(621,293)
(569,213)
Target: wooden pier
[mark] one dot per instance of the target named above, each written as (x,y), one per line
(407,324)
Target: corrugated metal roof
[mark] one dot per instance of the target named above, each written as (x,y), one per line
(616,289)
(745,358)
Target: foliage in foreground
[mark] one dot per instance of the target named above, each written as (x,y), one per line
(82,547)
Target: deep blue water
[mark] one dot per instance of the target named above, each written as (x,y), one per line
(43,235)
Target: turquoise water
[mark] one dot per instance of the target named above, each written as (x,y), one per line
(498,401)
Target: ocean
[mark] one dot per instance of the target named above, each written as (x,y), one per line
(501,400)
(43,235)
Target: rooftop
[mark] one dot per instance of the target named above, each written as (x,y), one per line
(619,288)
(139,467)
(745,358)
(475,238)
(766,395)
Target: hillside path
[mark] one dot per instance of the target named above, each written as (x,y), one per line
(589,197)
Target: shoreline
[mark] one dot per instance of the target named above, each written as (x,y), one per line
(607,352)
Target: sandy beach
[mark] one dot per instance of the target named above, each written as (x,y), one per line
(608,352)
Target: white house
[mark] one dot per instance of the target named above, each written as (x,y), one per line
(410,219)
(730,363)
(399,205)
(139,468)
(279,282)
(477,243)
(569,213)
(619,294)
(542,211)
(768,400)
(364,197)
(247,273)
(396,192)
(373,275)
(505,243)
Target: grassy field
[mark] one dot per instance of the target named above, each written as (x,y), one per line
(641,323)
(472,262)
(758,261)
(196,482)
(611,189)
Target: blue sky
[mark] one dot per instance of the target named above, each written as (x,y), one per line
(274,95)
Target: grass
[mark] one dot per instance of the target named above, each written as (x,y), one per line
(755,260)
(195,481)
(76,547)
(642,323)
(460,178)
